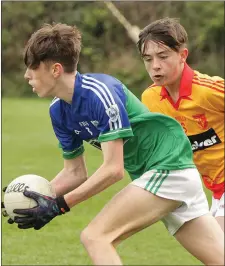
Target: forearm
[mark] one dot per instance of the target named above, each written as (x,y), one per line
(104,177)
(67,180)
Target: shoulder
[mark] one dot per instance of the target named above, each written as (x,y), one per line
(55,108)
(151,97)
(202,77)
(152,90)
(102,88)
(209,84)
(100,79)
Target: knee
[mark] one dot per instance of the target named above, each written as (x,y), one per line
(90,237)
(85,237)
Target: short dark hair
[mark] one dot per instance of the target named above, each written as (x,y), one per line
(54,43)
(167,31)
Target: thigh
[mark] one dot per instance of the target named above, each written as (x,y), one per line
(129,211)
(203,238)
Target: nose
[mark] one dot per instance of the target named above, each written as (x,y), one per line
(27,75)
(156,64)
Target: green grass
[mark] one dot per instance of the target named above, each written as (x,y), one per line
(29,146)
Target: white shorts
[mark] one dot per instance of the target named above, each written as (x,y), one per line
(217,208)
(181,185)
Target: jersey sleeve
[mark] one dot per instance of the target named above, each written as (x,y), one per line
(110,112)
(216,95)
(69,142)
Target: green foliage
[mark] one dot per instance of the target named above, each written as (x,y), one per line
(106,45)
(206,37)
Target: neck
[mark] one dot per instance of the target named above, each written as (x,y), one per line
(65,88)
(174,87)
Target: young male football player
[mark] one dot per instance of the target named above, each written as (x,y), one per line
(195,100)
(153,148)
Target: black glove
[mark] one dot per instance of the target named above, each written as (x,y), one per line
(4,212)
(37,217)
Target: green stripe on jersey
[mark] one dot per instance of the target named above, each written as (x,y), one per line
(116,134)
(73,154)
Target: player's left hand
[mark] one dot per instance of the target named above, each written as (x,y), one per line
(37,217)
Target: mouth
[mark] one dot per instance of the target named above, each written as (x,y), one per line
(33,88)
(157,77)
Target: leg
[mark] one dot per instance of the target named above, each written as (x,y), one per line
(131,210)
(204,239)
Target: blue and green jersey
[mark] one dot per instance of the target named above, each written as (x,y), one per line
(103,109)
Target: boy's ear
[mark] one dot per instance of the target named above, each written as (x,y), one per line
(184,54)
(57,70)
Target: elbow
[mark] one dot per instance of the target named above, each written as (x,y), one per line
(115,172)
(118,174)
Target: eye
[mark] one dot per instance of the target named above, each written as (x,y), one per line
(147,59)
(163,57)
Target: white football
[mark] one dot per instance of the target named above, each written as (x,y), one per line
(14,198)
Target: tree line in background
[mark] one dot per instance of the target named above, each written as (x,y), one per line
(106,45)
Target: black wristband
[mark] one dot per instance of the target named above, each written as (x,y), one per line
(62,205)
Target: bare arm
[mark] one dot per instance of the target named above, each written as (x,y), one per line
(111,171)
(71,176)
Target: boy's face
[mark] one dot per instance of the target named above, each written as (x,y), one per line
(163,64)
(43,79)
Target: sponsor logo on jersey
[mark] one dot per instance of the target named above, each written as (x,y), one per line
(201,120)
(204,140)
(113,112)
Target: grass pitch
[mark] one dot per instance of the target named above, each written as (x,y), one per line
(29,146)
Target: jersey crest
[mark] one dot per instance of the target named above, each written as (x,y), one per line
(113,112)
(201,120)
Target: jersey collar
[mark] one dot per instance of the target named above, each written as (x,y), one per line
(185,89)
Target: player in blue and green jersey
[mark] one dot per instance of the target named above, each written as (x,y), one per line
(153,148)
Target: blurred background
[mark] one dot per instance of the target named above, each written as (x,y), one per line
(28,142)
(107,47)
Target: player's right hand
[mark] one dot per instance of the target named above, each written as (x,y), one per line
(47,208)
(4,212)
